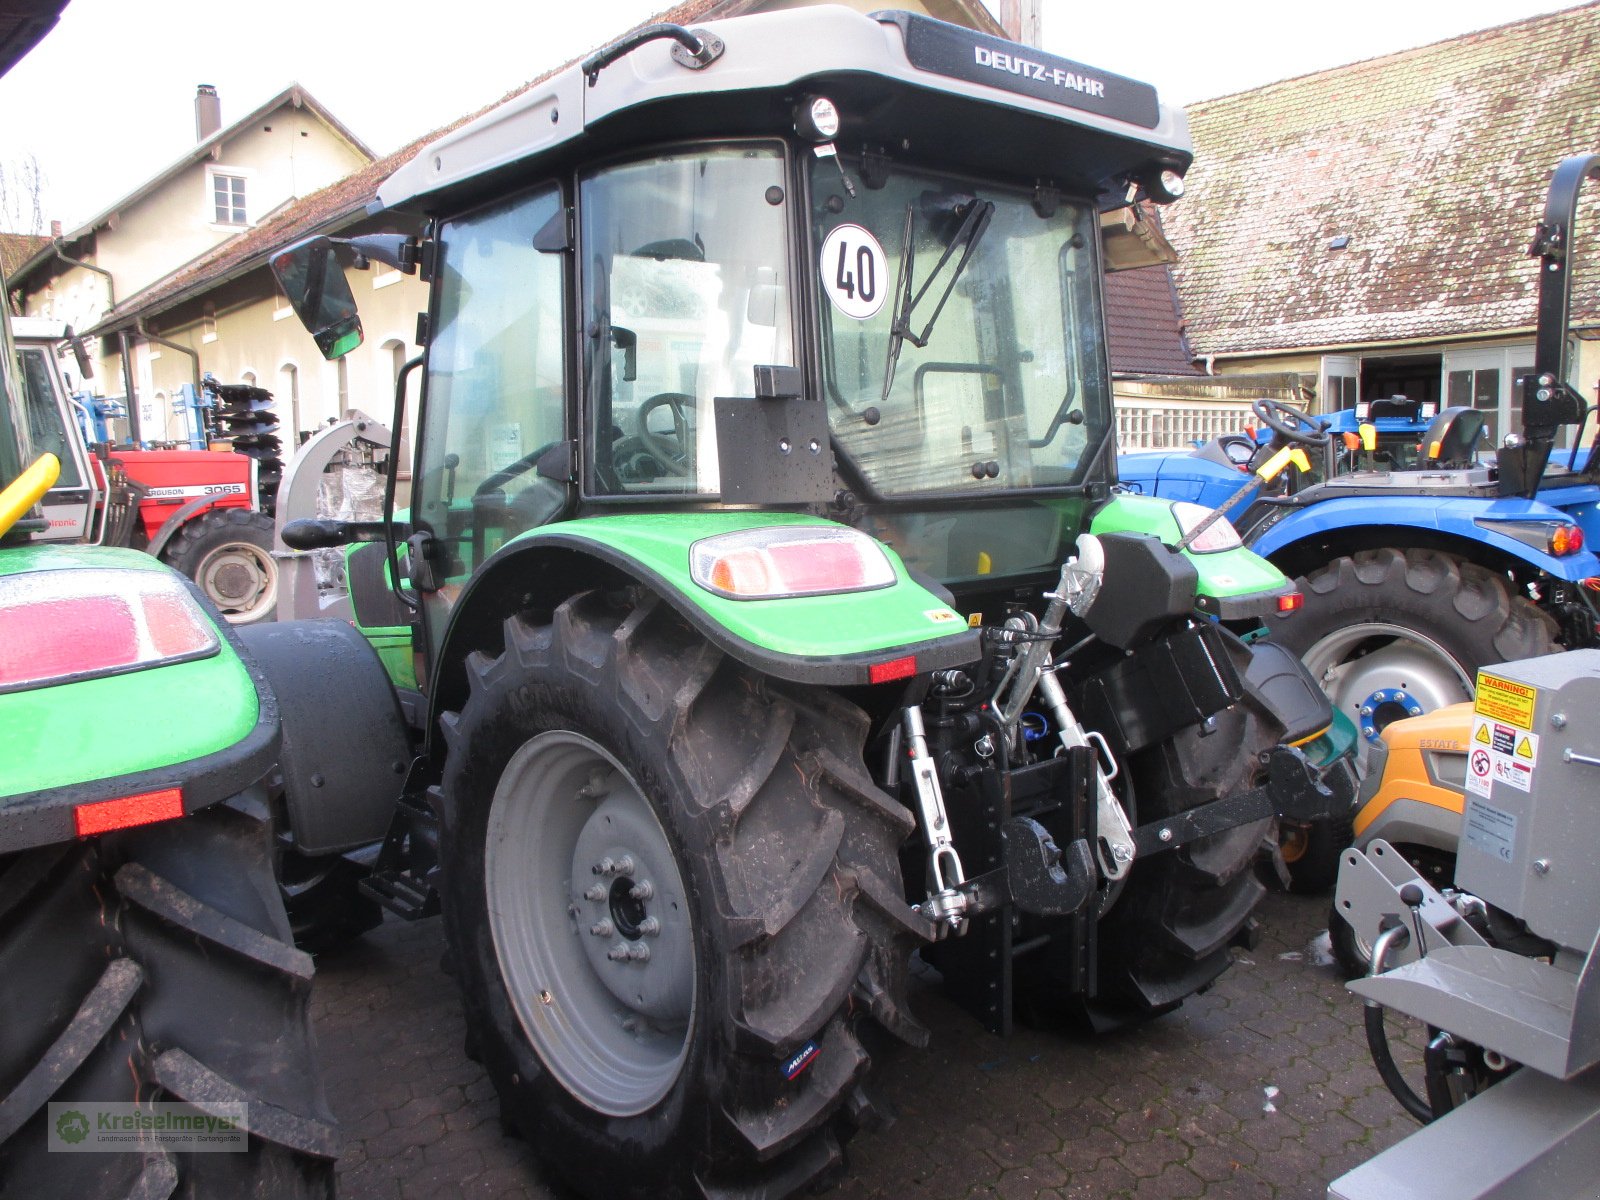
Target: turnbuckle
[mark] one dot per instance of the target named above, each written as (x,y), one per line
(945,903)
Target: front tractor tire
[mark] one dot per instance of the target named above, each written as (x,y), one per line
(671,889)
(228,552)
(155,965)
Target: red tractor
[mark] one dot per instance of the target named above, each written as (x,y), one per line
(207,513)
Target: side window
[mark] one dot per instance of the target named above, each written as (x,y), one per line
(495,383)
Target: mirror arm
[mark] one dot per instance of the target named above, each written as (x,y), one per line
(398,250)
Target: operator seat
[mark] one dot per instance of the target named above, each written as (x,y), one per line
(1452,437)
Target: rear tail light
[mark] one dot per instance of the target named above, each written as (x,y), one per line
(63,626)
(804,560)
(1560,539)
(1293,602)
(1219,535)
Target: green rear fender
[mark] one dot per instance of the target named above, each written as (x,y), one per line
(832,640)
(1225,575)
(203,726)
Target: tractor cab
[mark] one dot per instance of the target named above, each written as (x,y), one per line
(818,280)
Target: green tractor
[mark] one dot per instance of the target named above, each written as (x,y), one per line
(771,610)
(147,973)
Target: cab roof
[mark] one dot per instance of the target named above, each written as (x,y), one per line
(964,97)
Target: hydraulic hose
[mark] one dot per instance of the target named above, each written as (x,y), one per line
(1378,1045)
(1378,1036)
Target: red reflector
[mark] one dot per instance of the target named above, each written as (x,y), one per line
(128,811)
(1566,539)
(1291,602)
(895,668)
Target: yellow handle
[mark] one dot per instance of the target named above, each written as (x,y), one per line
(1280,460)
(1369,436)
(27,489)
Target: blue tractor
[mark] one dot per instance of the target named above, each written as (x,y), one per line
(1419,558)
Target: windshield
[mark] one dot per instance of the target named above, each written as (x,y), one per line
(974,364)
(46,423)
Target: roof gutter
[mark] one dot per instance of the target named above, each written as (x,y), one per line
(1438,339)
(111,282)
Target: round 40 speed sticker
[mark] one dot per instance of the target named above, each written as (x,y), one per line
(855,271)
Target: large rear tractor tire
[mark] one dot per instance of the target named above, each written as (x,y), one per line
(228,552)
(1391,633)
(155,965)
(671,889)
(1167,934)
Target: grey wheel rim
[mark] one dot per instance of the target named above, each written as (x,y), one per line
(591,923)
(1353,663)
(241,579)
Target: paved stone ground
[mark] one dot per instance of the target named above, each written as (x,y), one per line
(1260,1088)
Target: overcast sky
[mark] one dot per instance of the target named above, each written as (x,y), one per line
(107,99)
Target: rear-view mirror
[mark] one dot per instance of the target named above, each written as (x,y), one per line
(312,279)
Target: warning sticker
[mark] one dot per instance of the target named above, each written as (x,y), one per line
(1480,767)
(1505,701)
(1490,829)
(1500,753)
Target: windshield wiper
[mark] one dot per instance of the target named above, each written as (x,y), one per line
(973,227)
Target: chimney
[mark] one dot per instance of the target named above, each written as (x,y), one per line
(55,230)
(207,112)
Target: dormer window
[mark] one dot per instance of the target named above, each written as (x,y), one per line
(227,199)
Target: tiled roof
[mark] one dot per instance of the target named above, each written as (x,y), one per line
(18,248)
(1143,324)
(343,202)
(1433,162)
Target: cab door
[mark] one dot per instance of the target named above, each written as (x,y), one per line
(494,395)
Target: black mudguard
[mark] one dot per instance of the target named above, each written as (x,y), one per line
(346,747)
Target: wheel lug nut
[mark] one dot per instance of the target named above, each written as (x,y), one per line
(604,867)
(625,865)
(642,890)
(650,927)
(639,952)
(617,953)
(597,892)
(602,929)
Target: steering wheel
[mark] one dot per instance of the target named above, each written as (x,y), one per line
(510,471)
(675,461)
(1289,423)
(1238,448)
